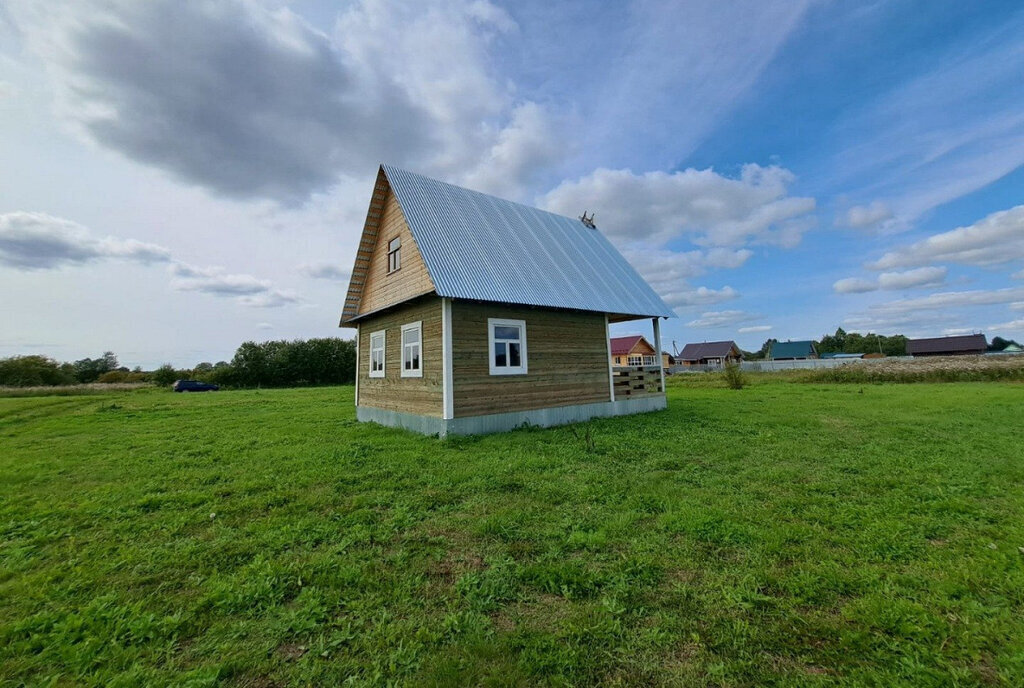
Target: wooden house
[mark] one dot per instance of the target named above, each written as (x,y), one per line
(710,354)
(633,350)
(475,314)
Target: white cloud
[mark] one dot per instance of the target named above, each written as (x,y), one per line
(754,328)
(214,280)
(245,289)
(251,101)
(715,319)
(1017,306)
(996,239)
(866,216)
(920,277)
(271,298)
(37,241)
(1010,326)
(264,326)
(701,296)
(952,299)
(1018,275)
(700,205)
(854,285)
(325,271)
(893,281)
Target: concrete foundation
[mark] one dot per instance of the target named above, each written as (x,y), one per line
(500,422)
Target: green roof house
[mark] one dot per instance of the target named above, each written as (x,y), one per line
(791,351)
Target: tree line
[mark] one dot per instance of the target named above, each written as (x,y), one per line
(843,342)
(322,361)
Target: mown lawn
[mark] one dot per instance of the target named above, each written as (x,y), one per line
(784,534)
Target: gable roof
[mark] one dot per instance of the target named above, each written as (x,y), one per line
(623,345)
(798,349)
(698,351)
(485,248)
(933,345)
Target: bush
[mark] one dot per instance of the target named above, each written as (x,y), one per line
(166,375)
(34,371)
(733,376)
(121,376)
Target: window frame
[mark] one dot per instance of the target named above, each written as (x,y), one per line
(394,255)
(383,353)
(650,360)
(408,327)
(522,368)
(635,357)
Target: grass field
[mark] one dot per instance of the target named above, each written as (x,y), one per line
(784,534)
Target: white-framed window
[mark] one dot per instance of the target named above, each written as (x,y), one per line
(507,341)
(394,254)
(636,360)
(648,360)
(412,347)
(377,345)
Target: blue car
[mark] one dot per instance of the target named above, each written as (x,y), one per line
(194,386)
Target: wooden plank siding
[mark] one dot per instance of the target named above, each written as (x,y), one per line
(381,289)
(567,360)
(420,395)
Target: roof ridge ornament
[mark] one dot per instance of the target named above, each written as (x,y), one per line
(588,221)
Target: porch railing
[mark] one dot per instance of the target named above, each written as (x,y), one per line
(630,382)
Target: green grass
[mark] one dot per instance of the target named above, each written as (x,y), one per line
(783,534)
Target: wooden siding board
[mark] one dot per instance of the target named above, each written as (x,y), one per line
(382,289)
(567,354)
(420,395)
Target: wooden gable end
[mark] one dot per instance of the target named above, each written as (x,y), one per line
(372,287)
(642,347)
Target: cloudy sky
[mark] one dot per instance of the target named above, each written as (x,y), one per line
(180,176)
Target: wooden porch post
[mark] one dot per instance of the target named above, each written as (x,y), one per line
(611,369)
(657,353)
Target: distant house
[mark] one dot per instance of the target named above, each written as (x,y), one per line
(475,314)
(793,351)
(710,354)
(963,345)
(633,350)
(667,360)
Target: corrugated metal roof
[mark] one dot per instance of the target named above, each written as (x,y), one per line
(702,350)
(485,248)
(957,344)
(800,349)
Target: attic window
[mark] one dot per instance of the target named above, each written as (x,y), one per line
(507,340)
(394,254)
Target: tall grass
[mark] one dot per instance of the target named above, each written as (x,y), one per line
(939,369)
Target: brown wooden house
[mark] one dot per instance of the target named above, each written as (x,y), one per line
(710,354)
(475,314)
(633,350)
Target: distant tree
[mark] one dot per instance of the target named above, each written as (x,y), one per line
(31,371)
(762,353)
(89,369)
(998,343)
(327,361)
(165,375)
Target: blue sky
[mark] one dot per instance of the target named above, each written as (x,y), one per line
(182,176)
